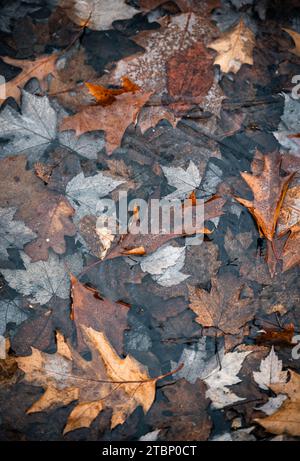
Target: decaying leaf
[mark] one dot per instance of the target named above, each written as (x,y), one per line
(13,233)
(270,371)
(222,377)
(235,48)
(39,69)
(105,382)
(36,128)
(223,307)
(113,119)
(106,96)
(91,310)
(97,14)
(287,419)
(42,280)
(296,37)
(10,312)
(269,189)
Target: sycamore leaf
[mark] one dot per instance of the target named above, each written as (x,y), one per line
(97,14)
(10,311)
(35,129)
(286,420)
(296,37)
(107,381)
(270,371)
(13,233)
(91,310)
(113,119)
(39,69)
(235,48)
(84,193)
(42,280)
(185,181)
(223,307)
(269,190)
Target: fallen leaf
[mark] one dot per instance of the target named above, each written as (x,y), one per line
(11,312)
(13,233)
(104,382)
(190,76)
(52,224)
(106,96)
(289,218)
(291,253)
(39,69)
(223,307)
(113,119)
(289,125)
(279,337)
(185,181)
(225,375)
(286,420)
(97,14)
(270,371)
(269,190)
(42,280)
(35,129)
(235,48)
(296,37)
(91,310)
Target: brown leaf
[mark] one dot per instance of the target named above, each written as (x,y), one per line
(40,69)
(296,37)
(190,76)
(52,223)
(106,96)
(223,307)
(291,251)
(113,119)
(235,48)
(286,420)
(269,190)
(182,415)
(91,310)
(203,8)
(272,337)
(104,382)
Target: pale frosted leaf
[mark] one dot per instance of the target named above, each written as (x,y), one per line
(270,371)
(13,233)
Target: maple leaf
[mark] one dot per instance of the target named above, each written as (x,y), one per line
(91,310)
(39,69)
(296,37)
(269,190)
(223,307)
(97,14)
(113,119)
(13,233)
(270,371)
(35,129)
(185,181)
(10,312)
(223,376)
(286,420)
(235,48)
(42,280)
(107,381)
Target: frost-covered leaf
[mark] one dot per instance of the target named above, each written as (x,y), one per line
(10,312)
(84,193)
(289,125)
(35,129)
(165,265)
(42,280)
(223,376)
(185,181)
(270,371)
(13,233)
(150,436)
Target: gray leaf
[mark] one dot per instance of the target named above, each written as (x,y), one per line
(42,280)
(10,312)
(13,234)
